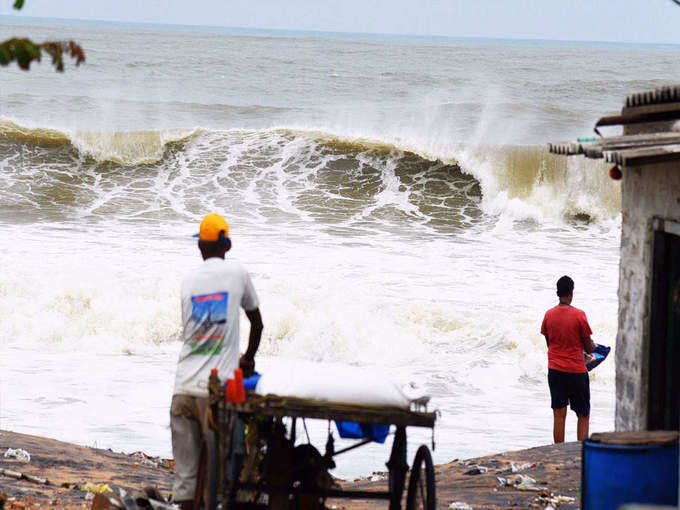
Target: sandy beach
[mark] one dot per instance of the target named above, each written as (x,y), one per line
(66,467)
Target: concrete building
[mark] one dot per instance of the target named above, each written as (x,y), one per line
(647,159)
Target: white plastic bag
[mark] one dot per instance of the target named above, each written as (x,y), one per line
(18,454)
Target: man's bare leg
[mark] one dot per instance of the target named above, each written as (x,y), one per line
(560,418)
(582,427)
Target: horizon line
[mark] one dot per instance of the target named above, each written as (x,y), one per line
(328,32)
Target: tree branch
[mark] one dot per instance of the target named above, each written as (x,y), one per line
(25,51)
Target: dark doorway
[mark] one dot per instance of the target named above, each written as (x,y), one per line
(664,348)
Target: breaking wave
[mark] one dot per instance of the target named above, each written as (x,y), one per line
(355,176)
(123,148)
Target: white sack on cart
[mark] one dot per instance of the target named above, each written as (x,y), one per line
(331,383)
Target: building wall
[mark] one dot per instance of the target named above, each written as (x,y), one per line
(647,191)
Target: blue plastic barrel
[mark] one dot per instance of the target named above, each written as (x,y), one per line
(614,474)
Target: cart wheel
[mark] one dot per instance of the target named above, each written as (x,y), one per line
(421,495)
(205,497)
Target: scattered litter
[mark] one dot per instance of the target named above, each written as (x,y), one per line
(520,482)
(134,499)
(548,499)
(521,467)
(148,460)
(459,505)
(95,488)
(477,470)
(22,476)
(18,454)
(516,468)
(11,474)
(36,479)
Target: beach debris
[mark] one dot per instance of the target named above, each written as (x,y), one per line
(520,482)
(22,476)
(548,499)
(17,453)
(148,460)
(95,488)
(36,479)
(477,470)
(11,474)
(460,505)
(135,499)
(516,468)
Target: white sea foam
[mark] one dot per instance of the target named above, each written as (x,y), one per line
(402,216)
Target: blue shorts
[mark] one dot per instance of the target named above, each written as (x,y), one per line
(567,388)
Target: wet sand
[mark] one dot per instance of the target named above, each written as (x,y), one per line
(555,468)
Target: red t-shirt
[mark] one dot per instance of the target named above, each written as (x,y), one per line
(566,328)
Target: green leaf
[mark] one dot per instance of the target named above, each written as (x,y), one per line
(5,55)
(18,4)
(23,58)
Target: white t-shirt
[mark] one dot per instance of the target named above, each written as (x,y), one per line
(211,298)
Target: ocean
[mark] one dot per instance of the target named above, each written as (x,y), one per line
(391,196)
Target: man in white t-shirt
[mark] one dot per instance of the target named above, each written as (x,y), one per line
(212,296)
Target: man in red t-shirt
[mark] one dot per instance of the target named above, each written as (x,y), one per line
(567,334)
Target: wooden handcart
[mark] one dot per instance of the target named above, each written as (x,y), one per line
(251,460)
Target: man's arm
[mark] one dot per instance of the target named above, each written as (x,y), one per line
(247,361)
(588,345)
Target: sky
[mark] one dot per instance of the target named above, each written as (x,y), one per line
(636,21)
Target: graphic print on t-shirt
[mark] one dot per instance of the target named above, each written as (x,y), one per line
(209,313)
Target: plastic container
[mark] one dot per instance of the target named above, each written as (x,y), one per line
(616,474)
(239,391)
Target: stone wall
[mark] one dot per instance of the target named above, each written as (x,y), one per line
(647,191)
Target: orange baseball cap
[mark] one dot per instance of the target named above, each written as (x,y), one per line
(211,226)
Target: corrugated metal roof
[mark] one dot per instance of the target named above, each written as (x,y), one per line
(628,150)
(635,149)
(667,94)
